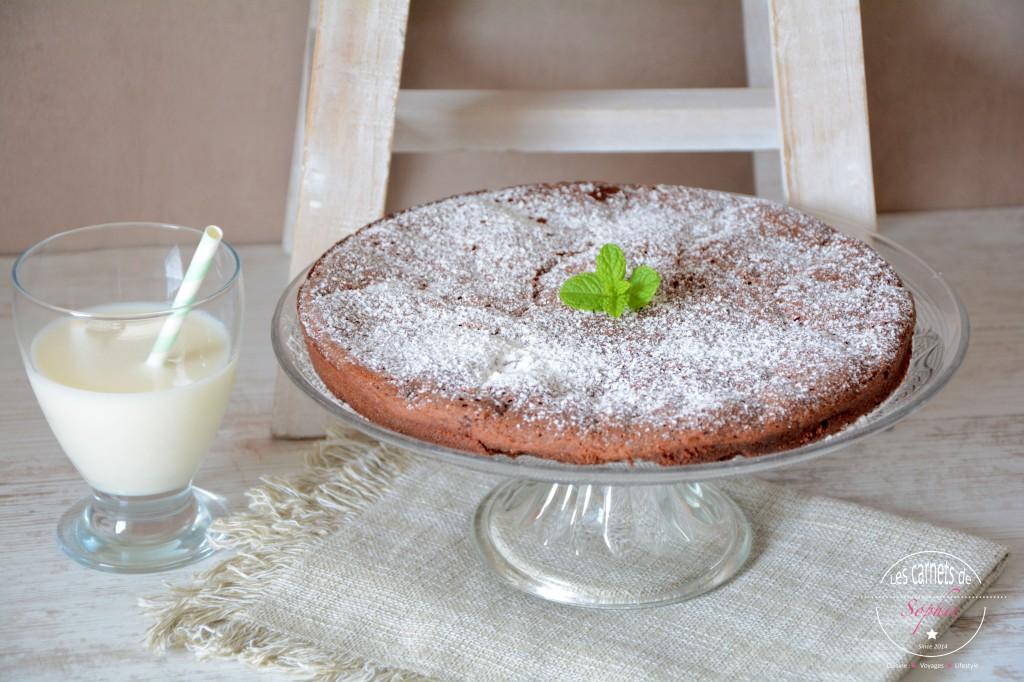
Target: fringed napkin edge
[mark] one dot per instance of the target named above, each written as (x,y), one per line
(344,474)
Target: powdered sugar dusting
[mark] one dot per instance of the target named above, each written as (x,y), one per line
(761,308)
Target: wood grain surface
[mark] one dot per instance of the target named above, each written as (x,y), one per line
(350,122)
(822,105)
(635,120)
(958,462)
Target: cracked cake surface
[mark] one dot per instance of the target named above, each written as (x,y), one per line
(770,328)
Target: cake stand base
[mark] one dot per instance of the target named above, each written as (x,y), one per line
(612,546)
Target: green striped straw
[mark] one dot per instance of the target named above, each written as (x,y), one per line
(194,277)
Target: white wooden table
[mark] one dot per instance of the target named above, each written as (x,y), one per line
(959,462)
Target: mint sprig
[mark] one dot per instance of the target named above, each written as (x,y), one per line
(607,289)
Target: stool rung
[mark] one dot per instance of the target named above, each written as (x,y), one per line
(721,119)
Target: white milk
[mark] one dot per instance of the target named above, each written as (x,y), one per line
(128,428)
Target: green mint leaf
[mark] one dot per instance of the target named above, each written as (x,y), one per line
(614,307)
(611,263)
(612,288)
(642,286)
(607,290)
(584,292)
(616,296)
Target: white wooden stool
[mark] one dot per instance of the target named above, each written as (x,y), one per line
(356,116)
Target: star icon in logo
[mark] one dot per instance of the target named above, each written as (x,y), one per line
(932,634)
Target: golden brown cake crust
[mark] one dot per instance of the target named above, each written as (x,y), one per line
(770,330)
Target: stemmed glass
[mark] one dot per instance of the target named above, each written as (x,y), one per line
(88,306)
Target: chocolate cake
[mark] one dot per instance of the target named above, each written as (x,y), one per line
(770,329)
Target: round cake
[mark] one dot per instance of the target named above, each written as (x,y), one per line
(770,329)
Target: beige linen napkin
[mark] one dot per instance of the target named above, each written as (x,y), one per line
(363,568)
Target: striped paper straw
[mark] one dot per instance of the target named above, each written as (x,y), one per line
(194,277)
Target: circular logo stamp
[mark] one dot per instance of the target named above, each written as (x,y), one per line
(921,594)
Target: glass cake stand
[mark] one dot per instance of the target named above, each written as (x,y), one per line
(620,535)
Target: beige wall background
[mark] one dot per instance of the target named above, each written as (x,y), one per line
(184,111)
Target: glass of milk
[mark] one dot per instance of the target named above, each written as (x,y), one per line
(88,306)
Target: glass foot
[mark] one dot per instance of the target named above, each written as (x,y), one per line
(140,534)
(612,546)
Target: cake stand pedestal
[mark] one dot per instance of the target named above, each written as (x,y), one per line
(623,536)
(612,545)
